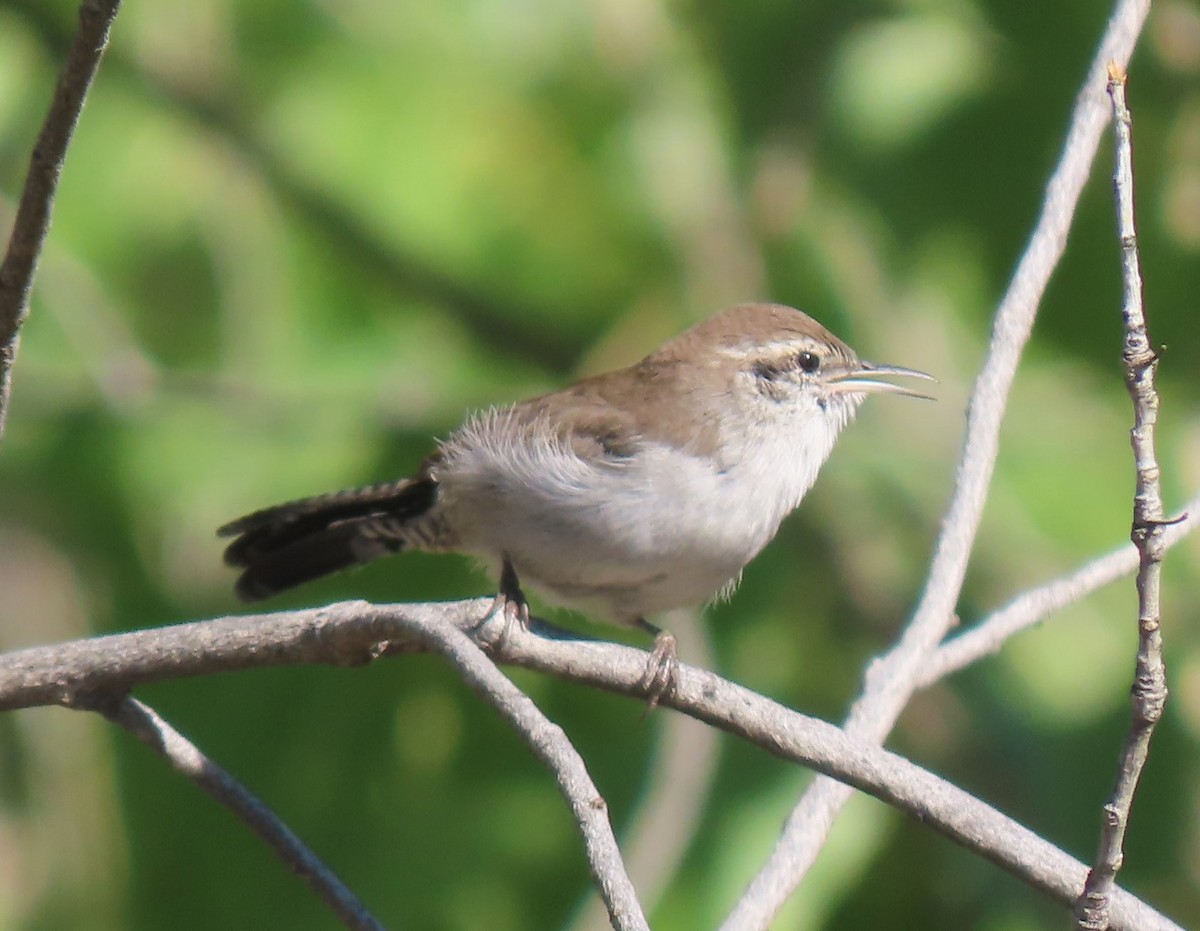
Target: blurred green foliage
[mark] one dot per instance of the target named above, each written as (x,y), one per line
(295,241)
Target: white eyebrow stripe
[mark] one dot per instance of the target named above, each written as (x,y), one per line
(769,350)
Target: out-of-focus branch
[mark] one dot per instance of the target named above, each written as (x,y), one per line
(1149,693)
(185,758)
(891,680)
(511,323)
(356,632)
(32,223)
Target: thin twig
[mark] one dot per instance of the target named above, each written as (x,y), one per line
(1149,693)
(891,680)
(185,758)
(550,745)
(32,222)
(355,632)
(1035,605)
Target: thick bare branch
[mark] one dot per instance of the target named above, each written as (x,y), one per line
(32,222)
(1149,693)
(355,632)
(891,680)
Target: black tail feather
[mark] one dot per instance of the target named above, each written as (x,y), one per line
(284,546)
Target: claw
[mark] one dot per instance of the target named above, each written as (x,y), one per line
(662,669)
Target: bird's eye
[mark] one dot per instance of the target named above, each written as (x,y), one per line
(809,362)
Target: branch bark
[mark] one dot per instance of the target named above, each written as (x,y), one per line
(1149,693)
(356,632)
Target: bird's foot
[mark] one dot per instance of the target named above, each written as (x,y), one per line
(662,669)
(509,606)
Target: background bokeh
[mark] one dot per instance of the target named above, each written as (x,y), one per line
(295,241)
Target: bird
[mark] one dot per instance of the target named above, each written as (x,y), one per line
(623,495)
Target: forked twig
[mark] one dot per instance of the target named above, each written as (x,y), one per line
(1034,605)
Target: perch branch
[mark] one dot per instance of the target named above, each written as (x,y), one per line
(356,632)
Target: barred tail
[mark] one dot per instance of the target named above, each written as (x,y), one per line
(287,545)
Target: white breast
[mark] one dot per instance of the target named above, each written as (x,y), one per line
(631,536)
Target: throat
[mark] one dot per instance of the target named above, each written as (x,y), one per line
(775,468)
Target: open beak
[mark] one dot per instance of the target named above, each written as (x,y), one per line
(864,380)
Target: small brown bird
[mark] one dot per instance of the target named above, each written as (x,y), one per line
(624,495)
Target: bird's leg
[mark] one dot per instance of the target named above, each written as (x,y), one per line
(662,669)
(510,603)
